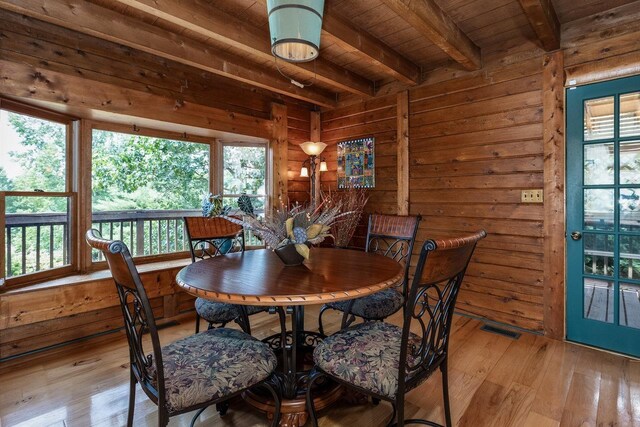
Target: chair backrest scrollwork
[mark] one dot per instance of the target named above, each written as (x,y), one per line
(393,236)
(209,237)
(137,313)
(432,297)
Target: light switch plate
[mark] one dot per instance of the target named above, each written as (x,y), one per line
(532,196)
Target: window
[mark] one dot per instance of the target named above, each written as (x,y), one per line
(142,187)
(243,171)
(136,185)
(35,193)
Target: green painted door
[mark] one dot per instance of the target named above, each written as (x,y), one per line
(603,215)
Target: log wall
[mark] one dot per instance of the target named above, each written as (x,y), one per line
(475,143)
(375,118)
(43,317)
(299,132)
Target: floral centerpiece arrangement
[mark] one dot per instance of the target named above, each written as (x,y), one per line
(290,232)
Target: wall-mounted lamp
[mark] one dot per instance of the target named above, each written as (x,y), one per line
(313,150)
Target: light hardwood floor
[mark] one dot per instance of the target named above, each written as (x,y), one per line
(494,381)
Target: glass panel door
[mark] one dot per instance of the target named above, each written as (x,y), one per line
(603,215)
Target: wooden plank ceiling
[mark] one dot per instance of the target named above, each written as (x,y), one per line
(365,43)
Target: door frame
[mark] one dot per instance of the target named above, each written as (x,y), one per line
(582,332)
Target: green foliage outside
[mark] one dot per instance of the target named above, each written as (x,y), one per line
(129,172)
(139,172)
(244,170)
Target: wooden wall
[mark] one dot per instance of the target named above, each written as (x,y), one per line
(299,132)
(602,46)
(43,62)
(476,140)
(34,319)
(377,118)
(475,143)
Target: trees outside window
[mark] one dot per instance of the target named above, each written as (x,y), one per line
(35,191)
(142,183)
(142,186)
(244,171)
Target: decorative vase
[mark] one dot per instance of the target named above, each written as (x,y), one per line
(289,256)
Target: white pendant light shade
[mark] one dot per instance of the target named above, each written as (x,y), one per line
(313,148)
(304,172)
(295,27)
(323,167)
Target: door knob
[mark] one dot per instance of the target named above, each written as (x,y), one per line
(576,235)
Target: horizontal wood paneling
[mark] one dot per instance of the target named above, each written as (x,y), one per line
(475,143)
(32,320)
(603,46)
(375,118)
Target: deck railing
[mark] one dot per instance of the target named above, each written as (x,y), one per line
(37,242)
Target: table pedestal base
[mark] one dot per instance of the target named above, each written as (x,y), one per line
(294,411)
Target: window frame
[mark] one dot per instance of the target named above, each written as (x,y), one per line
(92,125)
(70,192)
(219,179)
(220,168)
(78,186)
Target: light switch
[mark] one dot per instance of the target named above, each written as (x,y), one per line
(532,196)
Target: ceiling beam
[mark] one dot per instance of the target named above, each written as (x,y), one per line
(544,21)
(343,33)
(209,21)
(431,21)
(106,24)
(385,58)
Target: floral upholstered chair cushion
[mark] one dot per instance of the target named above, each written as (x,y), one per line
(212,364)
(365,355)
(220,312)
(375,306)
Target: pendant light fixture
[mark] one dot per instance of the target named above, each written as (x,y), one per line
(295,27)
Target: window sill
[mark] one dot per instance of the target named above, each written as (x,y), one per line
(76,279)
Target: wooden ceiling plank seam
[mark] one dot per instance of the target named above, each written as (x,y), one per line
(379,53)
(208,21)
(106,24)
(544,21)
(431,21)
(489,17)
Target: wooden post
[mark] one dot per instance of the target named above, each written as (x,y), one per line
(315,137)
(554,185)
(278,149)
(2,238)
(83,189)
(403,152)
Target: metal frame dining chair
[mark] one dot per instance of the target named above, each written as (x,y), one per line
(392,236)
(210,237)
(191,373)
(385,361)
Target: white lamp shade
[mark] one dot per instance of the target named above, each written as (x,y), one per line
(304,172)
(323,167)
(313,148)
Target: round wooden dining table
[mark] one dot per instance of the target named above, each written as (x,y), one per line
(259,277)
